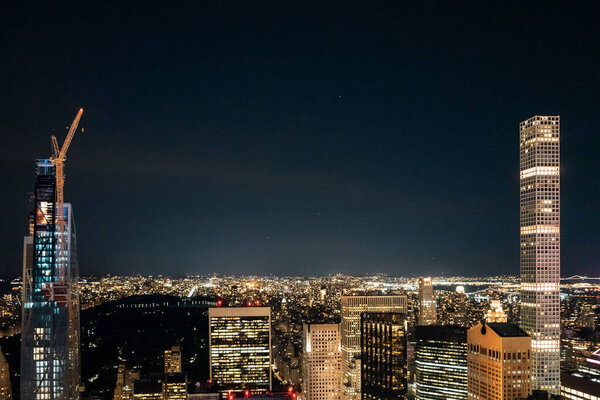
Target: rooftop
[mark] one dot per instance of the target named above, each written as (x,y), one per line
(506,329)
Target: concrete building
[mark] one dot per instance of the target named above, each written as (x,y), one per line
(540,246)
(498,362)
(321,362)
(351,309)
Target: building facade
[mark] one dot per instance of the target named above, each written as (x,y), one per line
(321,362)
(351,309)
(495,313)
(540,246)
(498,362)
(383,355)
(5,387)
(50,366)
(173,360)
(427,302)
(240,348)
(441,362)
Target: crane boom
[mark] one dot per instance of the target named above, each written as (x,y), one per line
(67,143)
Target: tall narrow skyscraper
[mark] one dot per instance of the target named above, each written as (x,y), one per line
(321,362)
(383,356)
(540,246)
(352,308)
(427,302)
(50,319)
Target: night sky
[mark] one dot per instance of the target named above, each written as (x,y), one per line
(299,138)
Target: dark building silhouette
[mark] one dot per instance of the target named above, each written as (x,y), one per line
(383,356)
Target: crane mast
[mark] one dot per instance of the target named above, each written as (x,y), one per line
(58,159)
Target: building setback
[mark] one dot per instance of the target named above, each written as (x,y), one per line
(441,362)
(540,246)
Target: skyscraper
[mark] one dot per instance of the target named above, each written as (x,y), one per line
(540,246)
(498,362)
(5,388)
(321,362)
(50,318)
(124,385)
(383,355)
(352,308)
(173,359)
(427,302)
(240,347)
(441,362)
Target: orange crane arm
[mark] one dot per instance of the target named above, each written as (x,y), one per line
(67,143)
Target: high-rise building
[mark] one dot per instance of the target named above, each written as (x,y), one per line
(495,312)
(124,385)
(498,362)
(321,362)
(240,347)
(50,366)
(352,308)
(427,302)
(383,355)
(441,362)
(5,388)
(150,387)
(540,246)
(175,386)
(173,359)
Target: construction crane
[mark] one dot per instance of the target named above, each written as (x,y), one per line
(57,291)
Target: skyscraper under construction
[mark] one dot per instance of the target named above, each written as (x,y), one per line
(50,367)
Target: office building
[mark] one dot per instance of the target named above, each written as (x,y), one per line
(5,388)
(427,302)
(495,313)
(149,388)
(321,362)
(240,348)
(351,309)
(584,383)
(383,355)
(173,359)
(441,362)
(175,386)
(498,362)
(125,381)
(540,246)
(50,367)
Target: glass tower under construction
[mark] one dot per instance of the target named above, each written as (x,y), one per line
(50,367)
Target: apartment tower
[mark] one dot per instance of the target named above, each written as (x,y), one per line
(540,246)
(352,308)
(321,362)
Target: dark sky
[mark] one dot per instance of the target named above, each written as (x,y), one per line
(259,137)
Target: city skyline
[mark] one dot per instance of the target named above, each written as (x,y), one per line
(374,143)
